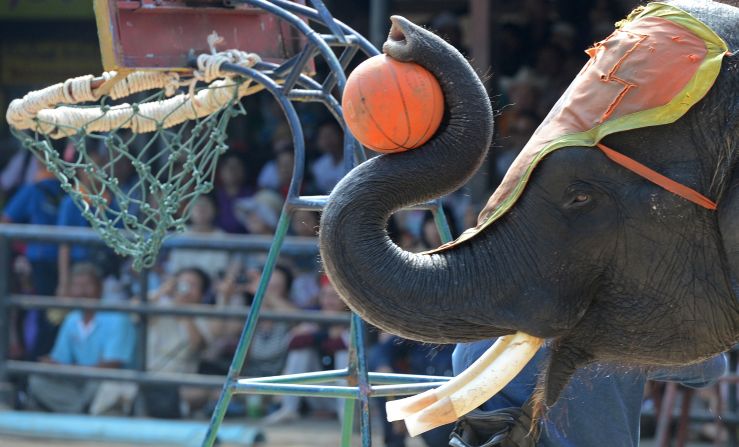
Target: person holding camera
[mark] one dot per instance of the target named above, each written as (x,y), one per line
(175,343)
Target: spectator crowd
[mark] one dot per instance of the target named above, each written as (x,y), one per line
(539,52)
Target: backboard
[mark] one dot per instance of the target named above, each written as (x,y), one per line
(159,34)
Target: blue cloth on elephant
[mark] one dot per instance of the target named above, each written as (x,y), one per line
(600,406)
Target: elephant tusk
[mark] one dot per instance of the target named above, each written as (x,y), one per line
(402,408)
(483,379)
(519,349)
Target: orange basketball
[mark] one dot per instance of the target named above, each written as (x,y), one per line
(392,106)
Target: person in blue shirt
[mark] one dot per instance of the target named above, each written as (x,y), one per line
(600,406)
(38,203)
(86,338)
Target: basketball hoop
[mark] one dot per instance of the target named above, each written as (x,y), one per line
(185,119)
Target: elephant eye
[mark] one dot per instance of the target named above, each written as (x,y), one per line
(580,198)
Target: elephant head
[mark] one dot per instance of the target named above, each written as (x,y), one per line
(604,264)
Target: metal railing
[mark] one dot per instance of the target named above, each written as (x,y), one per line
(87,236)
(306,384)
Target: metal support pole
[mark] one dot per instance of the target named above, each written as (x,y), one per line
(358,377)
(362,380)
(293,192)
(248,332)
(442,226)
(347,423)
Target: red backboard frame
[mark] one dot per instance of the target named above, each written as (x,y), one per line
(159,34)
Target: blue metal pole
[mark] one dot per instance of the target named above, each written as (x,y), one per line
(310,377)
(392,378)
(441,223)
(280,389)
(347,425)
(247,334)
(359,369)
(307,31)
(282,226)
(328,19)
(313,15)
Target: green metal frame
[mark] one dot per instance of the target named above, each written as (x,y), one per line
(361,384)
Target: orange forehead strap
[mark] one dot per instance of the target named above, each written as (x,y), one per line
(657,178)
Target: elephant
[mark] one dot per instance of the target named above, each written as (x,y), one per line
(602,263)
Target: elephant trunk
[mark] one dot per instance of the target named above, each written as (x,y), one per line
(418,296)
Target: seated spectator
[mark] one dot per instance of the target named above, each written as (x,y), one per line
(315,348)
(232,187)
(86,338)
(267,351)
(260,214)
(201,223)
(277,173)
(268,347)
(328,169)
(266,356)
(175,343)
(38,203)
